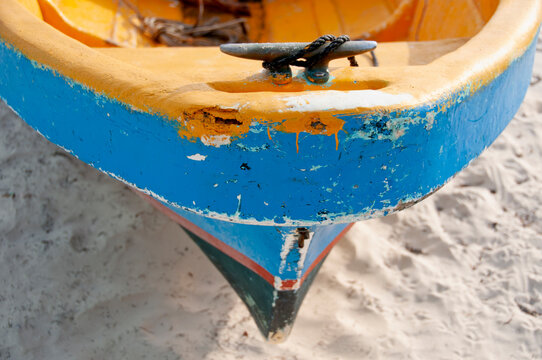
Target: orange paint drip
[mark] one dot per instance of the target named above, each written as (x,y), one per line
(314,124)
(215,122)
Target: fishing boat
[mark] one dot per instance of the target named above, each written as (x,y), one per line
(267,167)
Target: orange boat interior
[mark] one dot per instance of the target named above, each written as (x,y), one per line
(102,23)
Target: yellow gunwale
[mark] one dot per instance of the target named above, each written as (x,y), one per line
(475,63)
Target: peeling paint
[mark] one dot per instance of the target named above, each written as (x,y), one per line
(214,126)
(239,199)
(216,140)
(303,254)
(290,240)
(197,157)
(318,167)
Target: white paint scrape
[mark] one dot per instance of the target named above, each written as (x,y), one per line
(216,140)
(289,241)
(303,255)
(343,100)
(197,157)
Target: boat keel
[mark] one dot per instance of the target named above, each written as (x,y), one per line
(274,310)
(270,267)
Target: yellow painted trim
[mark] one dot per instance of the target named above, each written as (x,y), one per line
(52,15)
(33,7)
(477,62)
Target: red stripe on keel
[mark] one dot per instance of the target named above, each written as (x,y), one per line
(290,284)
(285,285)
(231,252)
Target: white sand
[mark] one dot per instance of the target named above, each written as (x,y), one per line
(90,271)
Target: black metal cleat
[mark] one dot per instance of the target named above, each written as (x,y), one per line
(279,57)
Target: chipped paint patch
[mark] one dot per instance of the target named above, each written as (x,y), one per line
(290,241)
(318,167)
(253,148)
(239,200)
(387,126)
(216,140)
(197,157)
(303,254)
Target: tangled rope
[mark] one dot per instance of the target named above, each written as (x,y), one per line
(176,33)
(294,59)
(211,32)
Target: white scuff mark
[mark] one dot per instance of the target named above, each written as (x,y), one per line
(344,100)
(318,167)
(289,242)
(303,254)
(236,106)
(197,157)
(277,284)
(275,291)
(68,151)
(239,197)
(216,140)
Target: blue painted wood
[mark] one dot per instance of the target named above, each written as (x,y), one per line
(369,175)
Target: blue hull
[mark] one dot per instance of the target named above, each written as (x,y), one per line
(384,160)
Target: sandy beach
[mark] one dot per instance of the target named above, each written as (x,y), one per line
(88,270)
